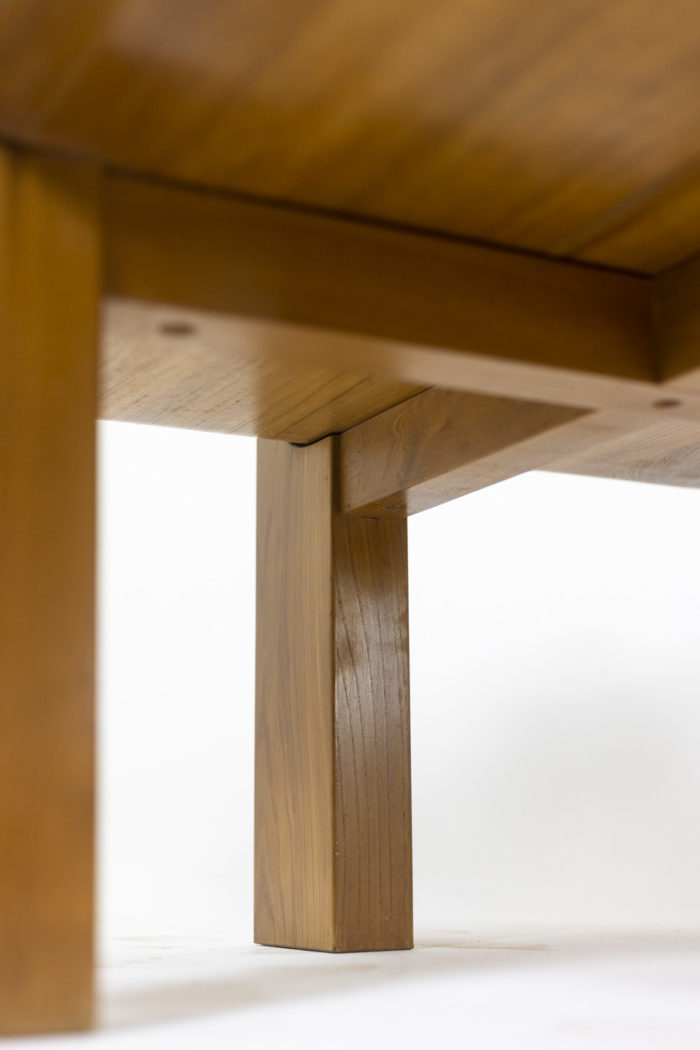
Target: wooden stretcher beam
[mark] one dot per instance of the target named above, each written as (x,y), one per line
(442,444)
(295,286)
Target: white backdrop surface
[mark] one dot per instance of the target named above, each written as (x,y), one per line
(555,648)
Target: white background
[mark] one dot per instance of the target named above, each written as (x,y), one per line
(555,675)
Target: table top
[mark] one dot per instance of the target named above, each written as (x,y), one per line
(565,126)
(543,155)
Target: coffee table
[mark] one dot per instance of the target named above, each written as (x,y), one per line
(415,248)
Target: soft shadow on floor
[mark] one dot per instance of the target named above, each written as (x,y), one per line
(167,980)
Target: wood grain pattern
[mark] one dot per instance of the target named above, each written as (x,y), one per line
(546,125)
(442,444)
(224,346)
(365,299)
(49,288)
(295,687)
(333,827)
(158,366)
(666,453)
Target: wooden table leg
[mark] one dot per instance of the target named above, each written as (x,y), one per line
(49,288)
(333,791)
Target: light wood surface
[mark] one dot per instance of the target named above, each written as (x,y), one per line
(333,819)
(396,291)
(49,288)
(666,453)
(442,444)
(255,318)
(218,346)
(566,127)
(159,366)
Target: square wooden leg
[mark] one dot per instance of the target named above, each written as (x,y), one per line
(49,288)
(333,790)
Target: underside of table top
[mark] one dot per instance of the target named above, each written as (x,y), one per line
(317,212)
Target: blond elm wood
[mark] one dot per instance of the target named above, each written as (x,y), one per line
(302,325)
(262,285)
(572,135)
(333,809)
(442,444)
(49,288)
(396,290)
(161,367)
(549,125)
(229,372)
(224,345)
(665,453)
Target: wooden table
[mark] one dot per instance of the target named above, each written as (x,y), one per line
(416,247)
